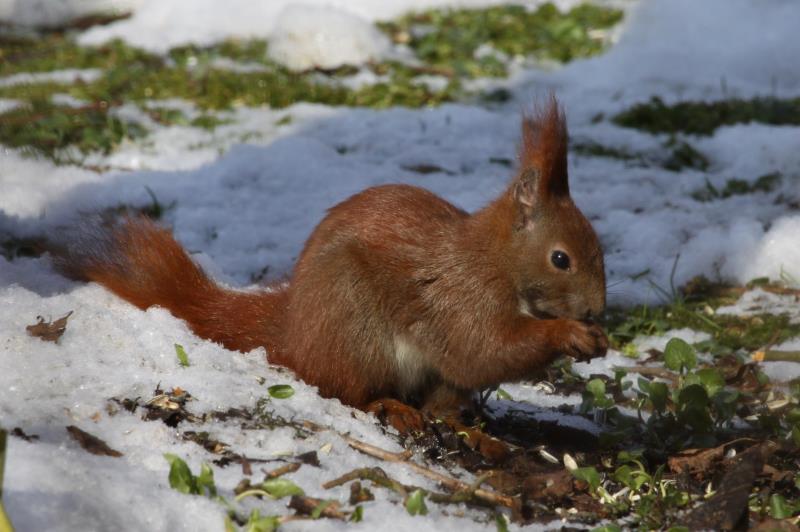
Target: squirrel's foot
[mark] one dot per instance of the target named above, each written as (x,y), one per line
(406,419)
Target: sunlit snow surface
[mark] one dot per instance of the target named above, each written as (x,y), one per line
(247,195)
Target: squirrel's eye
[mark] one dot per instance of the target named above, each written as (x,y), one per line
(560,260)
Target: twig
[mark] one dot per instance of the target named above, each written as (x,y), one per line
(309,505)
(448,482)
(771,355)
(373,474)
(490,497)
(284,469)
(650,372)
(380,478)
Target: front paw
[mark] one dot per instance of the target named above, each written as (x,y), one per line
(583,340)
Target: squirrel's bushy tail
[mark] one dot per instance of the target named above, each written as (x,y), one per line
(143,264)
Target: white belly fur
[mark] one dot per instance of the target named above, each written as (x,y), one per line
(411,367)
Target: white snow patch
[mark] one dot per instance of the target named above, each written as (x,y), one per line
(307,37)
(51,13)
(758,301)
(57,76)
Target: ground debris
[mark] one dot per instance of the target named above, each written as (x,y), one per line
(726,508)
(49,331)
(19,433)
(90,443)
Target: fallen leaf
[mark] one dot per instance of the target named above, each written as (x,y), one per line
(552,486)
(728,506)
(695,460)
(90,443)
(49,331)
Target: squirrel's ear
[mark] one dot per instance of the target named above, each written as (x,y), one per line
(542,157)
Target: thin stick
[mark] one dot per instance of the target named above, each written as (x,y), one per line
(284,469)
(772,355)
(448,482)
(403,458)
(650,372)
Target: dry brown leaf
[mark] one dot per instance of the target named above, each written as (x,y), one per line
(727,507)
(49,331)
(90,443)
(696,460)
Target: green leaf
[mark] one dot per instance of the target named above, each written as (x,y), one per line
(607,528)
(3,445)
(624,475)
(502,394)
(711,379)
(793,415)
(180,476)
(796,435)
(256,523)
(415,503)
(281,487)
(693,407)
(778,508)
(597,388)
(693,396)
(358,514)
(588,475)
(678,354)
(678,529)
(319,508)
(658,395)
(501,521)
(183,358)
(281,391)
(205,480)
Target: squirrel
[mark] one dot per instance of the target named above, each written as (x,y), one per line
(397,293)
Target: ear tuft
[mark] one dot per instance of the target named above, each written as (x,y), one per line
(526,186)
(544,149)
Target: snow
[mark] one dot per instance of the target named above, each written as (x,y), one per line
(54,13)
(246,195)
(57,76)
(308,37)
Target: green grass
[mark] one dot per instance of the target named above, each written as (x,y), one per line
(130,75)
(738,187)
(49,129)
(447,40)
(695,309)
(679,155)
(703,118)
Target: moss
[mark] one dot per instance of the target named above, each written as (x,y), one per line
(58,51)
(209,122)
(684,155)
(129,75)
(738,187)
(695,309)
(49,129)
(703,118)
(595,149)
(448,39)
(167,116)
(680,155)
(241,50)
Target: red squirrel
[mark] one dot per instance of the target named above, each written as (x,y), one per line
(397,293)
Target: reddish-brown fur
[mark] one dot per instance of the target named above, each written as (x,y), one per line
(398,293)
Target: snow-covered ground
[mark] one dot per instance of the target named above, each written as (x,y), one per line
(247,194)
